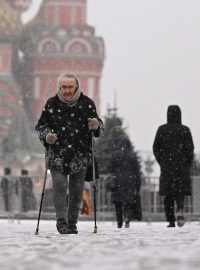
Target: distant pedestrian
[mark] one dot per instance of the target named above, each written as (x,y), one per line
(126,181)
(6,186)
(24,189)
(174,150)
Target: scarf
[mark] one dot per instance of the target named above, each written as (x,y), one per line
(72,102)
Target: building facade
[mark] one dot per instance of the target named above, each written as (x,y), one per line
(32,56)
(61,41)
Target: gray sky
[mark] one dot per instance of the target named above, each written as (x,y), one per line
(152,60)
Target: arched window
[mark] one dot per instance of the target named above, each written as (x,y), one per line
(78,46)
(49,45)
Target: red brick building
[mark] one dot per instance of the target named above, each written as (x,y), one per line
(58,40)
(62,41)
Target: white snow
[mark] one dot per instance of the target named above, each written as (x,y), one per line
(142,246)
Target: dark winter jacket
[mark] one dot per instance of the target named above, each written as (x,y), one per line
(173,149)
(72,150)
(125,170)
(25,184)
(4,184)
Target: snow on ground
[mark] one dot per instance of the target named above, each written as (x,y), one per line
(143,246)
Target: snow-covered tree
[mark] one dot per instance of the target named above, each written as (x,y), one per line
(107,143)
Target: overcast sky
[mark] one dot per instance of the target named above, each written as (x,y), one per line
(152,60)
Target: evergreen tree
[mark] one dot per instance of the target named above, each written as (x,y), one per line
(107,143)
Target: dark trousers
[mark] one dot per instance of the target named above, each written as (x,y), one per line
(7,202)
(67,206)
(169,202)
(123,211)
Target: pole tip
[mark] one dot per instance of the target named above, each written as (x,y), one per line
(95,229)
(36,232)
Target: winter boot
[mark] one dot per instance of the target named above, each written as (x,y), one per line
(61,226)
(71,228)
(180,219)
(119,224)
(127,224)
(171,224)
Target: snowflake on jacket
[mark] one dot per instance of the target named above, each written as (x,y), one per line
(72,150)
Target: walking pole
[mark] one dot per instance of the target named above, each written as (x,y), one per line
(94,185)
(42,197)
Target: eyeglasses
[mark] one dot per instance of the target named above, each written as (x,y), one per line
(67,86)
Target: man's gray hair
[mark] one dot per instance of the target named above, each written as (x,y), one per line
(67,75)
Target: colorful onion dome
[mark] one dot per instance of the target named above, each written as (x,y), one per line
(10,23)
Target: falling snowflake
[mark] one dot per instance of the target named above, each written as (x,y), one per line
(58,161)
(51,110)
(63,128)
(72,114)
(90,106)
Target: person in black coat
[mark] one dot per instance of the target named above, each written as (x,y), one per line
(174,150)
(126,177)
(24,189)
(65,129)
(6,186)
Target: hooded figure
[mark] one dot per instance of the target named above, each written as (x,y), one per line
(173,149)
(126,175)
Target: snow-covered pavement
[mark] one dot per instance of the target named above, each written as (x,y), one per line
(142,246)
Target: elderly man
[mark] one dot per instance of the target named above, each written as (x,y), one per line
(65,129)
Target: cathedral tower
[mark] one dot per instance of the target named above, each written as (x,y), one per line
(61,41)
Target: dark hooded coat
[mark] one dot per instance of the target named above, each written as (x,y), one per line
(173,149)
(72,150)
(125,170)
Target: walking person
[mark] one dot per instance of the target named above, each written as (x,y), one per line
(65,129)
(6,186)
(126,182)
(174,150)
(24,189)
